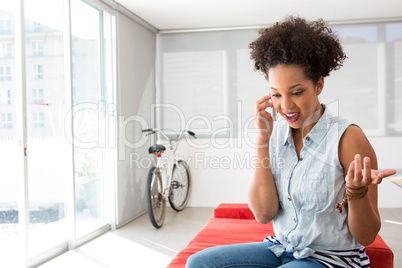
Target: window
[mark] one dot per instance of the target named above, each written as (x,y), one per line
(369,75)
(38,119)
(47,209)
(198,77)
(9,155)
(37,27)
(372,74)
(5,26)
(54,221)
(38,96)
(5,73)
(394,66)
(38,71)
(6,120)
(357,81)
(88,116)
(37,48)
(6,50)
(5,97)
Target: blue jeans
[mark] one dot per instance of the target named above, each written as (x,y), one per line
(247,255)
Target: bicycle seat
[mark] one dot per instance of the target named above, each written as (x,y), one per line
(156,149)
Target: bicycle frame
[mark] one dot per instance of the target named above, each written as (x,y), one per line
(165,163)
(161,186)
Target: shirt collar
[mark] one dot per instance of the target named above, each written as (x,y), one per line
(287,138)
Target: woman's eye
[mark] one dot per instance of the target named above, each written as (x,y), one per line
(274,95)
(297,93)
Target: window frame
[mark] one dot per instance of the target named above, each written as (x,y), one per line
(6,50)
(5,26)
(38,119)
(22,73)
(5,73)
(6,120)
(37,48)
(38,95)
(38,72)
(5,97)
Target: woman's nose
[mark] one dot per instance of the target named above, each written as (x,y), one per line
(286,104)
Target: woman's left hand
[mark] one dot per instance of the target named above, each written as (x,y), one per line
(358,177)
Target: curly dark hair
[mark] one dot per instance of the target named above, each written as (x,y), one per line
(312,45)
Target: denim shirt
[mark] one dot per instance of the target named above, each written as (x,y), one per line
(309,188)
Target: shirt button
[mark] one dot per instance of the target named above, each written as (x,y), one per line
(286,238)
(307,138)
(291,176)
(301,159)
(295,219)
(289,199)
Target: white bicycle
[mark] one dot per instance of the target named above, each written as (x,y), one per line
(169,180)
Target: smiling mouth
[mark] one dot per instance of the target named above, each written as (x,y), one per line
(292,117)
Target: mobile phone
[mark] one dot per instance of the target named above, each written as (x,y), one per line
(274,113)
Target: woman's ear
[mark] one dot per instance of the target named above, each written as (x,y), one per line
(319,85)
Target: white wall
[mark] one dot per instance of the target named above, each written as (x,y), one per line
(224,175)
(136,91)
(218,175)
(389,155)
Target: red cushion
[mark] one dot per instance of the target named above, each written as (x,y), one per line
(226,229)
(219,231)
(233,211)
(380,254)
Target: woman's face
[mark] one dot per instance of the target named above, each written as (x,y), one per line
(294,95)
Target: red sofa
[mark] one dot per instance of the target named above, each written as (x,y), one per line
(235,223)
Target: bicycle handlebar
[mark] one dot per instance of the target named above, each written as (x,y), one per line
(154,130)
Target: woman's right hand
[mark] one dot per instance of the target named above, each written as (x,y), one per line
(263,119)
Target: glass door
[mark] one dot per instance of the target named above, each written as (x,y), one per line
(52,194)
(89,102)
(9,158)
(48,173)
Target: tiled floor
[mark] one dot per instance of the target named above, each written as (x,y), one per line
(391,232)
(138,244)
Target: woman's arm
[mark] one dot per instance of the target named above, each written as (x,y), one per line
(359,161)
(262,197)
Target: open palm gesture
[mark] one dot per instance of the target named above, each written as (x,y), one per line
(358,177)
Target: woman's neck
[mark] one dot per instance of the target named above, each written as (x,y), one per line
(300,133)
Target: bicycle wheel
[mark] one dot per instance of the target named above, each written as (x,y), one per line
(180,186)
(155,199)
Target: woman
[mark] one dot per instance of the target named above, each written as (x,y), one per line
(321,187)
